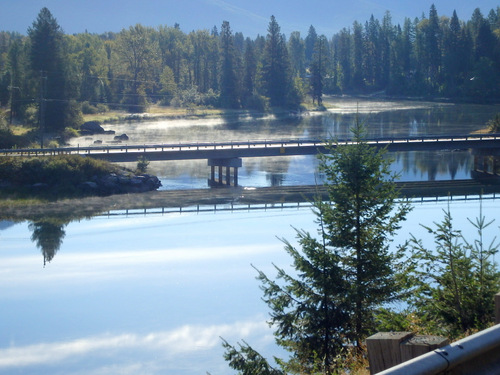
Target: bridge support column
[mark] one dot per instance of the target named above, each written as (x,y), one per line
(229,163)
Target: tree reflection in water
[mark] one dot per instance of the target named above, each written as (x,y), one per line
(48,236)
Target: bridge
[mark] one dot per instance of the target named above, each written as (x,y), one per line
(229,154)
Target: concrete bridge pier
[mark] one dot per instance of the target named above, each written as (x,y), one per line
(220,164)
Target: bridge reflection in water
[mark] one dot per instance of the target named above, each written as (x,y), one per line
(295,197)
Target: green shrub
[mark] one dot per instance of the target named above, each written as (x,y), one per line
(66,171)
(88,109)
(69,133)
(258,102)
(142,164)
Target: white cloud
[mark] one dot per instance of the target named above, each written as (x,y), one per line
(112,265)
(185,340)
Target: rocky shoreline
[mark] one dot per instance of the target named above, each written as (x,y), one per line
(120,183)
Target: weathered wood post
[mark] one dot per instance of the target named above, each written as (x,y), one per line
(388,349)
(383,350)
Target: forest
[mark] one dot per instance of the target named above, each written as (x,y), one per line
(50,78)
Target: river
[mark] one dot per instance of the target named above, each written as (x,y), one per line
(153,294)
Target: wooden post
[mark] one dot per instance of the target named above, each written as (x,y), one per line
(497,308)
(383,350)
(418,345)
(388,349)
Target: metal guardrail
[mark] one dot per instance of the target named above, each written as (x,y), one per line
(475,354)
(203,146)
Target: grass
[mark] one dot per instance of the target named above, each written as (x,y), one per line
(19,131)
(154,111)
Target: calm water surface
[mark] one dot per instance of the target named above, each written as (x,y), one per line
(154,294)
(383,119)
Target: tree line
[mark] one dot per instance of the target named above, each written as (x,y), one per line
(51,76)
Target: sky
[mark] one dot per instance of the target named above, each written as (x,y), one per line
(249,17)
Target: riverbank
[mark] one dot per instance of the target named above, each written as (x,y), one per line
(68,176)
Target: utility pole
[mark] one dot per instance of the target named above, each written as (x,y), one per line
(43,84)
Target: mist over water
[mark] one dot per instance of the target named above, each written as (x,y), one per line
(153,294)
(383,119)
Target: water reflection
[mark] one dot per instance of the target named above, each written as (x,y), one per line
(150,295)
(48,236)
(382,119)
(432,166)
(303,170)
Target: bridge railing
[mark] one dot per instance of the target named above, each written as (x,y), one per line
(190,146)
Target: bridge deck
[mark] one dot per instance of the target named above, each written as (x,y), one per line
(227,150)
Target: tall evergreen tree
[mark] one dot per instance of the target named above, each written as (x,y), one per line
(229,87)
(401,59)
(357,55)
(373,53)
(386,39)
(327,305)
(318,69)
(362,218)
(275,66)
(19,87)
(296,46)
(453,56)
(310,42)
(48,63)
(433,45)
(343,55)
(250,71)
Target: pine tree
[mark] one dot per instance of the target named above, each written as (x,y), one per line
(362,218)
(327,305)
(318,70)
(275,66)
(454,282)
(228,81)
(47,62)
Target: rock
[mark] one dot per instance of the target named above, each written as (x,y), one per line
(91,127)
(123,137)
(153,182)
